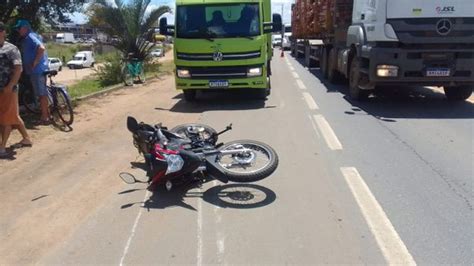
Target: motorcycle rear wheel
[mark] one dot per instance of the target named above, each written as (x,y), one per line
(260,163)
(206,133)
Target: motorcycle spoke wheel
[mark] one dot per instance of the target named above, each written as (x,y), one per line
(248,162)
(195,132)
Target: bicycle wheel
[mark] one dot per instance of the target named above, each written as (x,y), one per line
(30,101)
(64,107)
(127,77)
(141,75)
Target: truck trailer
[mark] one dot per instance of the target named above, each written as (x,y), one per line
(374,43)
(222,45)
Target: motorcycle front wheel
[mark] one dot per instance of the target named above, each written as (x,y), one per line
(258,162)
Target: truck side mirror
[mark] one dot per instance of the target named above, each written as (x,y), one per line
(163,26)
(165,29)
(275,26)
(277,23)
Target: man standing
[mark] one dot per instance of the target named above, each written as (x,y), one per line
(35,63)
(10,72)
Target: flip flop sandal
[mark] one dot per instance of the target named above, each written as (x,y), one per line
(21,145)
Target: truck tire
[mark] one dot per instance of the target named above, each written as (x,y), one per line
(333,75)
(458,93)
(189,95)
(324,63)
(355,79)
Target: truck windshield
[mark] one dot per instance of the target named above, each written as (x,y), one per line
(218,21)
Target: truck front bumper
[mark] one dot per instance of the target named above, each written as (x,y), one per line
(414,65)
(260,82)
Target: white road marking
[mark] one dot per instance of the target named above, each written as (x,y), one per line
(300,84)
(295,75)
(314,126)
(310,101)
(327,132)
(392,247)
(132,234)
(292,68)
(199,232)
(220,243)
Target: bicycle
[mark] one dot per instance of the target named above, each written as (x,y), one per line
(133,69)
(58,98)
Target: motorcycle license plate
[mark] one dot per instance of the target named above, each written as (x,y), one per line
(438,72)
(219,84)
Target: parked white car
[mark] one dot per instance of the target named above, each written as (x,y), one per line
(82,59)
(55,64)
(158,52)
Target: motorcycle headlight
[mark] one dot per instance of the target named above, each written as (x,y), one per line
(175,163)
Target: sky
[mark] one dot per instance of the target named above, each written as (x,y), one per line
(277,6)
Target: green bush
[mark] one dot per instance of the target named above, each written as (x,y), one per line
(110,72)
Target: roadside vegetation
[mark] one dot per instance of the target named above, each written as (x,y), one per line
(110,74)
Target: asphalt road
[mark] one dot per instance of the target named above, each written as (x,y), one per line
(385,181)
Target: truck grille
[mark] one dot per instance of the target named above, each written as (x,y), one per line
(219,72)
(225,56)
(434,30)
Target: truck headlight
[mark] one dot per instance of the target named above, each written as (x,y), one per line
(183,73)
(254,72)
(387,71)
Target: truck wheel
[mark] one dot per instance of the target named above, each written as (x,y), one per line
(459,93)
(324,63)
(189,95)
(333,74)
(355,80)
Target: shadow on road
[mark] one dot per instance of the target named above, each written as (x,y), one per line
(390,103)
(218,101)
(238,196)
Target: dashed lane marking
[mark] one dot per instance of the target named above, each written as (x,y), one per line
(327,132)
(393,249)
(310,101)
(300,84)
(295,75)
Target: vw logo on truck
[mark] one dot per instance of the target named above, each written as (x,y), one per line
(444,27)
(217,56)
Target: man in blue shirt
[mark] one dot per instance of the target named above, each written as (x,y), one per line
(35,63)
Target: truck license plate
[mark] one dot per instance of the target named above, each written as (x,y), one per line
(438,72)
(218,84)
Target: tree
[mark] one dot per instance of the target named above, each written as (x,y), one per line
(132,23)
(52,11)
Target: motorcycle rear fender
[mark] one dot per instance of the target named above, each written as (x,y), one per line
(214,171)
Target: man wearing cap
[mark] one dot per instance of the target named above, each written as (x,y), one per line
(10,72)
(35,63)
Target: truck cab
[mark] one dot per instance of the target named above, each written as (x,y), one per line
(222,45)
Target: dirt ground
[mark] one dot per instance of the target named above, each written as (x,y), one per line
(49,189)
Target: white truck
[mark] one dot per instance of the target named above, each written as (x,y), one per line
(65,37)
(389,42)
(82,59)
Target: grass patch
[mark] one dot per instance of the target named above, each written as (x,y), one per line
(85,87)
(94,84)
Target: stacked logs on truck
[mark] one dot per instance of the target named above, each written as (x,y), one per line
(312,18)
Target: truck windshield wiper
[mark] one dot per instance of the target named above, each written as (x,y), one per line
(207,34)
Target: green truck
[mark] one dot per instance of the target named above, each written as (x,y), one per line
(222,45)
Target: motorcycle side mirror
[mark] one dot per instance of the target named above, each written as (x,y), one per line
(128,178)
(132,124)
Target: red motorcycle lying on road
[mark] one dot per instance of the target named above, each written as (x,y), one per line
(191,152)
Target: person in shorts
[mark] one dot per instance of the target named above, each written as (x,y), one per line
(35,63)
(10,72)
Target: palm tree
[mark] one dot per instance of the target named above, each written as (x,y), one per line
(132,23)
